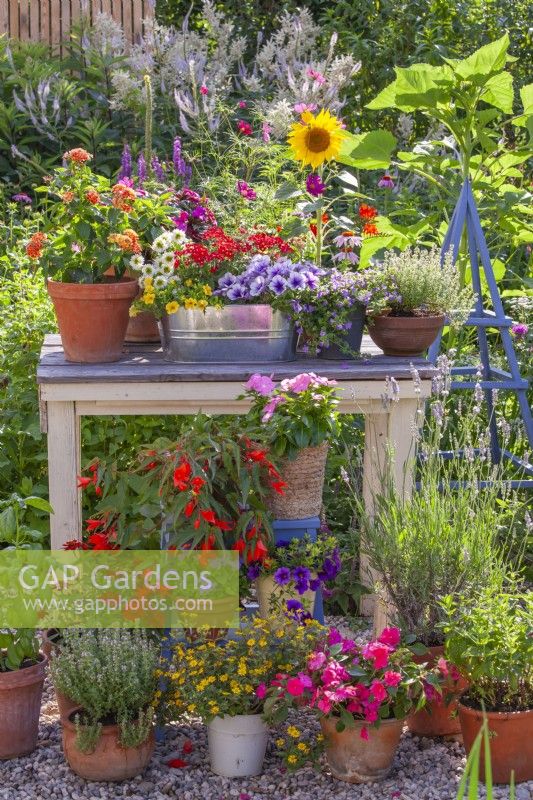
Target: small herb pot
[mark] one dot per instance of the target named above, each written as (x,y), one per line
(237,745)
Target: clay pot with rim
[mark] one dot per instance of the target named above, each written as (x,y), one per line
(143,329)
(437,718)
(20,705)
(93,318)
(109,761)
(304,476)
(51,643)
(356,760)
(510,741)
(404,336)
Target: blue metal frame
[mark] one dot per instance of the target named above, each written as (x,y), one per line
(466,215)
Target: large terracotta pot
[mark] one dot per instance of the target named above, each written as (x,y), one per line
(356,760)
(510,739)
(92,318)
(20,705)
(266,587)
(304,476)
(438,718)
(404,336)
(109,761)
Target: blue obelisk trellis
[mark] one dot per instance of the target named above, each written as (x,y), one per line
(465,215)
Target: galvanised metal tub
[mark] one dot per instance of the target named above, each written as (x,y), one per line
(232,334)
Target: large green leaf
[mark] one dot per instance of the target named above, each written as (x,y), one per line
(484,62)
(499,92)
(371,150)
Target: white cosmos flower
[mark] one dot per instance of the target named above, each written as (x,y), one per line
(136,262)
(160,281)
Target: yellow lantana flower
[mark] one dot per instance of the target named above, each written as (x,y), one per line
(316,139)
(172,307)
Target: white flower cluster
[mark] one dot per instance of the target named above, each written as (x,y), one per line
(106,36)
(161,268)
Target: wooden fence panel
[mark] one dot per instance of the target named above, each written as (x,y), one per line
(50,20)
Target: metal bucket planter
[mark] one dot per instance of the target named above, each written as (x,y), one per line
(234,334)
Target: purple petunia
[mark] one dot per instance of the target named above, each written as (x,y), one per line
(314,185)
(282,576)
(237,292)
(294,605)
(277,285)
(254,570)
(296,280)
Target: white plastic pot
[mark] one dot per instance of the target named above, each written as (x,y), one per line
(237,745)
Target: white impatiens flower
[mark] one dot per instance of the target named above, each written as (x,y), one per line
(160,281)
(137,262)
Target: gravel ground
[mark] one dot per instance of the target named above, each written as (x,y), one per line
(423,770)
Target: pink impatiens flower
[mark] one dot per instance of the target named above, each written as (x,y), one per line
(377,653)
(364,733)
(295,687)
(379,691)
(391,678)
(316,660)
(391,637)
(261,691)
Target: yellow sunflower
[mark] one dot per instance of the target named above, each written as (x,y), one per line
(316,139)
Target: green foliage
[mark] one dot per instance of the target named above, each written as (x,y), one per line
(18,649)
(111,675)
(14,533)
(488,637)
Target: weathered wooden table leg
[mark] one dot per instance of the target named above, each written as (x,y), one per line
(63,469)
(390,438)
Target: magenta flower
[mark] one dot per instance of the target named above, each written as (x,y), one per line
(298,384)
(267,130)
(391,678)
(314,185)
(377,653)
(519,329)
(316,76)
(295,687)
(316,660)
(364,733)
(261,384)
(301,107)
(244,127)
(261,691)
(242,103)
(386,182)
(246,191)
(390,637)
(204,90)
(379,691)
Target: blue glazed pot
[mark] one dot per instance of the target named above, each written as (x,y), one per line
(287,529)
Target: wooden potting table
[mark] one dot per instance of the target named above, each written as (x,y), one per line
(142,382)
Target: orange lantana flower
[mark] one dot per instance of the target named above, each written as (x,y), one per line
(78,155)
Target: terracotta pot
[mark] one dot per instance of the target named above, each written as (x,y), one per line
(108,761)
(510,739)
(438,718)
(143,327)
(304,476)
(92,318)
(356,760)
(20,704)
(266,586)
(404,336)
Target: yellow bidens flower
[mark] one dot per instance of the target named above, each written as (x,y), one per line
(172,307)
(293,731)
(280,743)
(292,759)
(303,747)
(316,139)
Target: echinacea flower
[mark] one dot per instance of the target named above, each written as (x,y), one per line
(386,182)
(316,139)
(347,239)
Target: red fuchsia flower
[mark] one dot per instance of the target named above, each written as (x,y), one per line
(239,546)
(256,455)
(189,508)
(314,184)
(100,541)
(279,486)
(258,553)
(209,542)
(209,516)
(83,483)
(244,127)
(367,212)
(386,182)
(203,89)
(197,483)
(391,637)
(182,475)
(75,544)
(246,191)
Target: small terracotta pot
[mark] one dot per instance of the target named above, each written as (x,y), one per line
(304,476)
(266,586)
(108,761)
(438,718)
(20,705)
(404,336)
(510,739)
(356,760)
(92,318)
(143,328)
